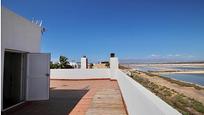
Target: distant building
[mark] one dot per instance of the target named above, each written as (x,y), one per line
(99,66)
(102,64)
(74,64)
(79,64)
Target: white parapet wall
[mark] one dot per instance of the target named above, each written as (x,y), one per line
(137,98)
(79,73)
(141,101)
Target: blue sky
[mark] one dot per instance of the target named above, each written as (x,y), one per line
(132,29)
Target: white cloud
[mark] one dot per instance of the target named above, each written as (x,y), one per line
(170,55)
(173,55)
(154,55)
(178,55)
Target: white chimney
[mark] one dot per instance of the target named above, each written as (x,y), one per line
(113,65)
(84,62)
(113,61)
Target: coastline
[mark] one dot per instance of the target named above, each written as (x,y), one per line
(182,81)
(184,96)
(177,72)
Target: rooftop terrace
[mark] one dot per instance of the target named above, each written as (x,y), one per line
(103,96)
(106,91)
(78,97)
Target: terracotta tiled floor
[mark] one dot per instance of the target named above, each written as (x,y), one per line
(79,97)
(103,98)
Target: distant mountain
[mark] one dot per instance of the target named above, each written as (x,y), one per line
(128,61)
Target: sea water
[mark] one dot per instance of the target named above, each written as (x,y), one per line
(188,77)
(192,78)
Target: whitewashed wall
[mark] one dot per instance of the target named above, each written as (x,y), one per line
(19,34)
(141,101)
(79,73)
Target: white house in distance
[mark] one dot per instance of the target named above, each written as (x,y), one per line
(24,70)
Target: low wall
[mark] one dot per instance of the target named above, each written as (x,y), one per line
(137,98)
(79,73)
(141,101)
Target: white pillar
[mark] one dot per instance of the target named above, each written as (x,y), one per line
(84,63)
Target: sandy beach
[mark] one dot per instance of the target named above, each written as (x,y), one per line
(178,72)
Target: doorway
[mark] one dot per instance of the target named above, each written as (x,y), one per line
(14,78)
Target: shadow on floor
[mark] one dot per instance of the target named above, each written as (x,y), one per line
(61,103)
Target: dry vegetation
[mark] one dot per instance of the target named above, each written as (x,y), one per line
(184,104)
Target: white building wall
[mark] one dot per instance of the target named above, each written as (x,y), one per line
(18,34)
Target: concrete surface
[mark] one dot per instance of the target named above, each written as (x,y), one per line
(77,97)
(61,102)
